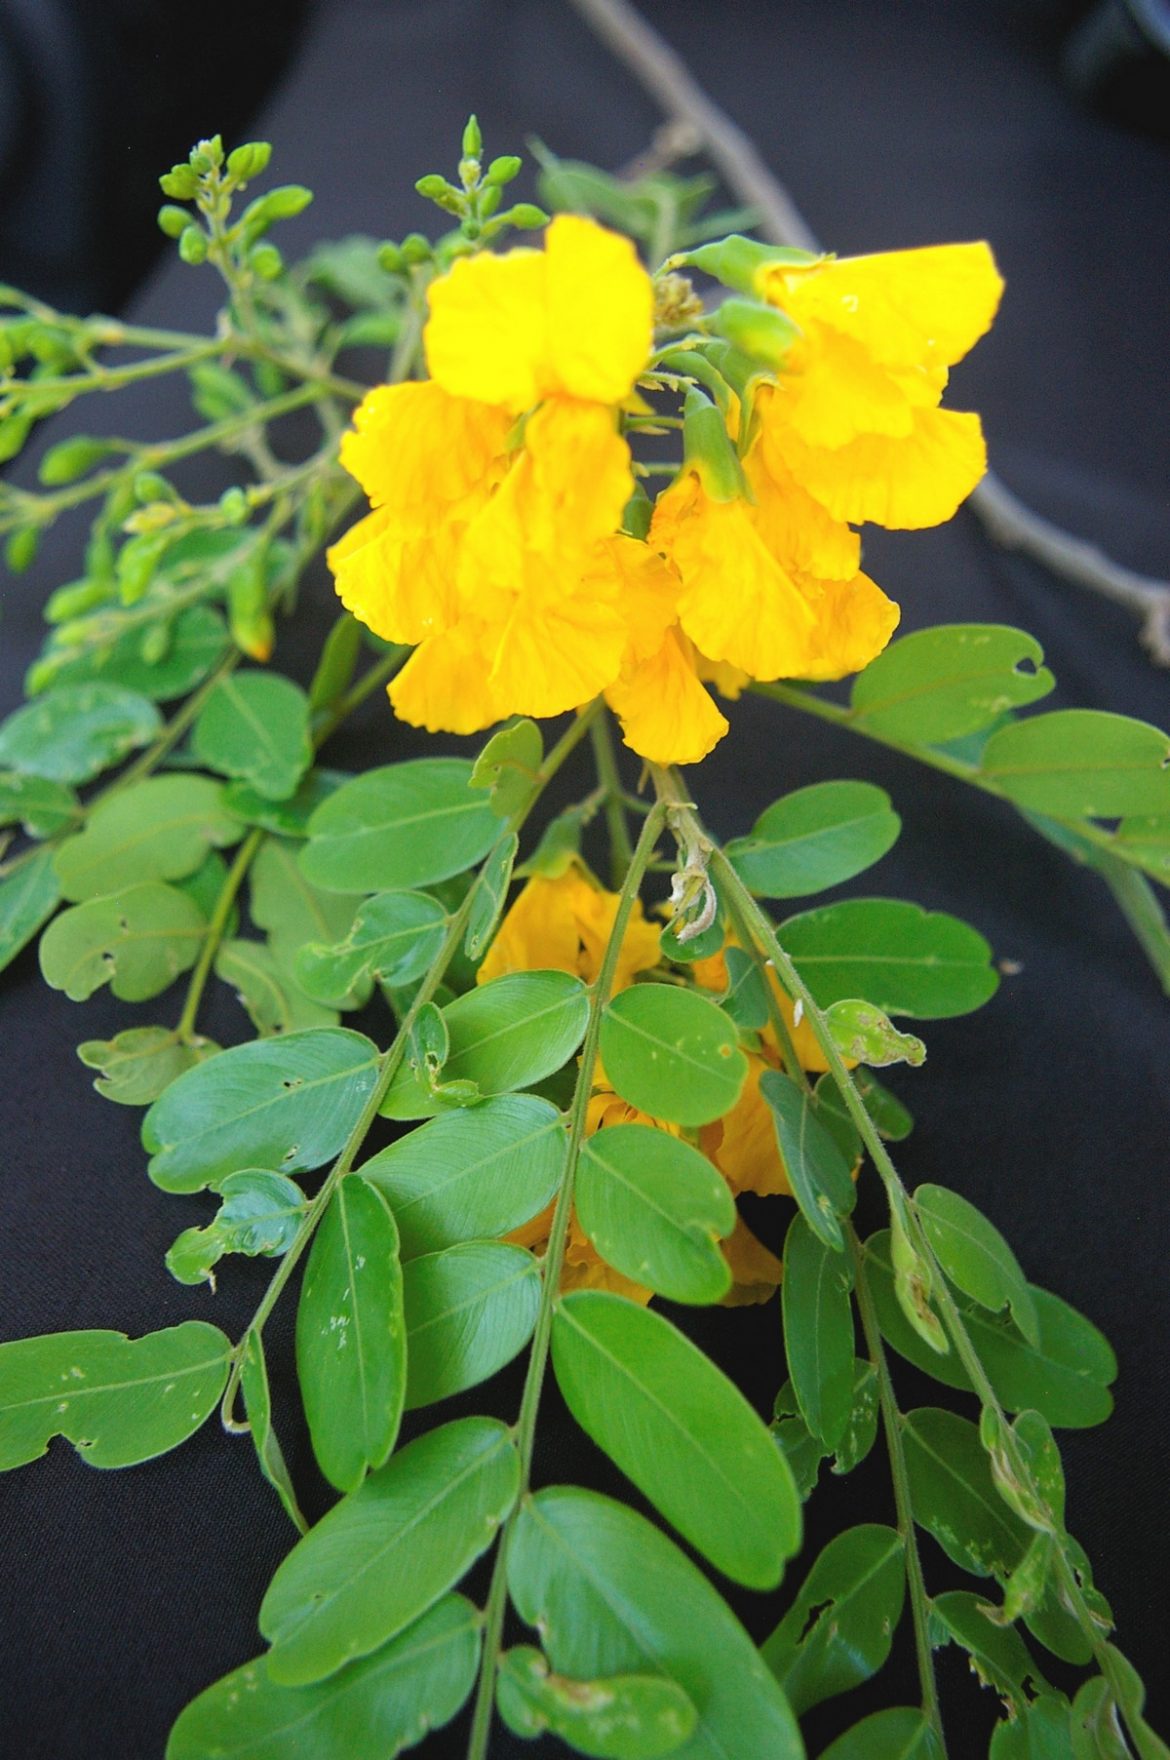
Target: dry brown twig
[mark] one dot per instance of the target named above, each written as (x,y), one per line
(694,120)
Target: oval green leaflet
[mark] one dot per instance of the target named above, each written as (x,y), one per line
(392,940)
(939,684)
(472,1174)
(814,838)
(627,1717)
(672,1054)
(287,1104)
(506,1034)
(254,727)
(400,826)
(818,1331)
(389,1550)
(655,1209)
(840,1628)
(351,1335)
(892,953)
(138,942)
(469,1310)
(613,1595)
(160,829)
(680,1430)
(75,731)
(378,1706)
(118,1400)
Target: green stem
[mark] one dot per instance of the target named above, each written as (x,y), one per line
(621,850)
(389,1062)
(101,378)
(892,1426)
(788,1051)
(233,880)
(553,1263)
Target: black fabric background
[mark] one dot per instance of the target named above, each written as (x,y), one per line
(894,124)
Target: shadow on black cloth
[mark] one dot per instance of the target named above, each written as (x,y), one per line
(125,1594)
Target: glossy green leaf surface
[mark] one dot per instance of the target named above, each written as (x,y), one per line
(818,1331)
(508,766)
(840,1628)
(258,1407)
(76,731)
(136,1065)
(289,907)
(626,1717)
(469,1310)
(287,818)
(1078,763)
(895,954)
(389,1550)
(897,1733)
(287,1104)
(672,1054)
(42,807)
(259,1214)
(371,1710)
(1066,1376)
(160,829)
(491,893)
(504,1035)
(393,939)
(255,727)
(118,1400)
(656,1209)
(351,1335)
(954,1497)
(472,1174)
(815,838)
(400,826)
(817,1171)
(137,942)
(612,1595)
(976,1257)
(28,898)
(680,1430)
(196,639)
(998,1653)
(938,684)
(266,989)
(805,1452)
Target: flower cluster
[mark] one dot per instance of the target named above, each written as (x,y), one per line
(502,542)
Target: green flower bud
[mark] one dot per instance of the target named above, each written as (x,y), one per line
(180,182)
(75,599)
(71,459)
(489,200)
(7,358)
(526,215)
(472,139)
(173,221)
(758,331)
(436,189)
(137,561)
(469,173)
(14,431)
(155,643)
(416,248)
(22,547)
(233,505)
(151,486)
(267,261)
(736,261)
(206,155)
(249,160)
(708,449)
(193,246)
(391,259)
(41,675)
(504,169)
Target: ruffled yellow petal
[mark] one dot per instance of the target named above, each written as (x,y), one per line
(416,449)
(584,1268)
(907,308)
(445,688)
(402,586)
(855,620)
(795,527)
(666,714)
(832,389)
(737,602)
(907,483)
(564,924)
(729,681)
(575,320)
(648,590)
(755,1272)
(549,657)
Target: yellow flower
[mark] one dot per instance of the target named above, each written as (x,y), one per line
(854,416)
(575,320)
(564,924)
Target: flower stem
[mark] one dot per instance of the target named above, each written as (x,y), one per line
(233,880)
(553,1262)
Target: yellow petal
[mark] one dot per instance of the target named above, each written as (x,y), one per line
(832,389)
(601,311)
(416,449)
(400,585)
(729,681)
(666,714)
(549,657)
(596,911)
(444,686)
(902,483)
(743,1145)
(576,320)
(798,531)
(907,308)
(755,1272)
(539,932)
(855,621)
(648,590)
(737,602)
(487,335)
